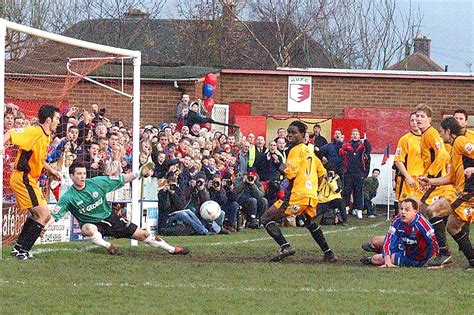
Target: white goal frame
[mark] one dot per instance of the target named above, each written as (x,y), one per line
(134,54)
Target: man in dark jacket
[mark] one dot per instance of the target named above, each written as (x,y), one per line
(269,164)
(318,140)
(250,194)
(198,194)
(354,154)
(171,200)
(331,152)
(222,192)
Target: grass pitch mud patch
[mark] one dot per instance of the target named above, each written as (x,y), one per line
(303,257)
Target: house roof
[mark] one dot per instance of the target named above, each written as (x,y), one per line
(171,49)
(170,42)
(52,59)
(417,61)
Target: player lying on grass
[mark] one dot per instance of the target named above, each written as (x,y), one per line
(86,200)
(410,240)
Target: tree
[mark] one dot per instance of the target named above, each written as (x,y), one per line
(58,16)
(269,39)
(367,34)
(211,34)
(295,24)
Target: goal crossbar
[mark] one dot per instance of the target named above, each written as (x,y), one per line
(70,41)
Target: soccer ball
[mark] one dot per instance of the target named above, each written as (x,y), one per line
(210,210)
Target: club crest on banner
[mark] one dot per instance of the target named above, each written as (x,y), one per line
(299,94)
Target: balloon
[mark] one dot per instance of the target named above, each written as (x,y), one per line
(207,90)
(209,104)
(211,79)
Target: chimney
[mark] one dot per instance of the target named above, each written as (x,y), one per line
(422,44)
(228,11)
(136,13)
(407,49)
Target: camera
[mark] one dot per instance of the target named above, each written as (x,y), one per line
(227,182)
(200,182)
(216,183)
(250,178)
(172,187)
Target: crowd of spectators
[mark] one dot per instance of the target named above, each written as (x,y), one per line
(194,164)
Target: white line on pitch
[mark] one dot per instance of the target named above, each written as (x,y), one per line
(37,251)
(291,235)
(222,287)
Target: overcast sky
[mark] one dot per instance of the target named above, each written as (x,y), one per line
(449,24)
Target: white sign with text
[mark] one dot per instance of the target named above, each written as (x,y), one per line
(299,94)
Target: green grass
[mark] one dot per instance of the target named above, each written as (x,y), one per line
(224,274)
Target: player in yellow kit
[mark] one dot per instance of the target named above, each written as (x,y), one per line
(435,162)
(33,145)
(408,162)
(462,209)
(461,117)
(302,170)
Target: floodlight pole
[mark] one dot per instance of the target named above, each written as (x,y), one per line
(3,34)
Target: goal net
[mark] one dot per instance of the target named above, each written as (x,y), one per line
(91,84)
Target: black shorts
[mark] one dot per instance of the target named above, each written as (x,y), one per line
(116,226)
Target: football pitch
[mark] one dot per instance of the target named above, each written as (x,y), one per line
(231,275)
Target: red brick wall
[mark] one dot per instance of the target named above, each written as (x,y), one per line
(267,95)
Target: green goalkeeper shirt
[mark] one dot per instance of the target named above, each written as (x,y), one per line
(88,205)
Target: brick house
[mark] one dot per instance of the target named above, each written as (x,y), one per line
(420,59)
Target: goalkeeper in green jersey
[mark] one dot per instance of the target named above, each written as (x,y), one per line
(87,203)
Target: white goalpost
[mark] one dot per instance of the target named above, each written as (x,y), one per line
(7,27)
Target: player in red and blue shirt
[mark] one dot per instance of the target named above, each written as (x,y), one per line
(410,240)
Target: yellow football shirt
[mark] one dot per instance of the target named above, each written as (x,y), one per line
(33,143)
(462,157)
(409,153)
(303,170)
(433,153)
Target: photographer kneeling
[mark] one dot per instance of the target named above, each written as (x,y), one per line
(222,192)
(172,206)
(250,195)
(198,194)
